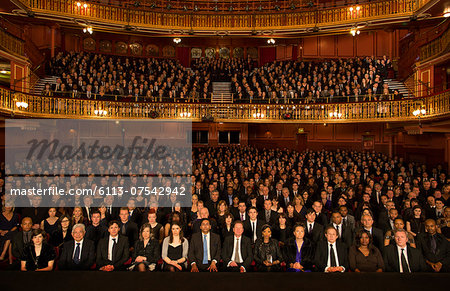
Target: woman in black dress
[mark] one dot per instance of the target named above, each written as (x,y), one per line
(156,228)
(146,251)
(227,228)
(415,224)
(282,230)
(38,256)
(9,222)
(268,255)
(50,224)
(175,250)
(64,232)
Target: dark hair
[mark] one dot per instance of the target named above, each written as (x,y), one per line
(113,222)
(144,226)
(37,232)
(359,235)
(266,226)
(331,227)
(310,210)
(298,225)
(124,208)
(252,207)
(96,212)
(171,234)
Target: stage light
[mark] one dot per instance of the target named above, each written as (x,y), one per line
(271,41)
(85,5)
(22,104)
(78,4)
(177,40)
(358,8)
(351,9)
(447,14)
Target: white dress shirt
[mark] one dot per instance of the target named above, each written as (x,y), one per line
(208,242)
(335,255)
(253,225)
(405,252)
(338,226)
(309,225)
(110,246)
(238,250)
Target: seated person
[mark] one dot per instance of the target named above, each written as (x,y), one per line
(268,255)
(96,230)
(112,251)
(21,239)
(175,250)
(204,249)
(146,251)
(435,248)
(402,258)
(38,255)
(299,251)
(237,252)
(78,254)
(363,256)
(331,255)
(63,234)
(389,236)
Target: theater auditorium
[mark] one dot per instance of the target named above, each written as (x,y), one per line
(224,144)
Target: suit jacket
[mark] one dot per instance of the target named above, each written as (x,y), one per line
(316,235)
(322,219)
(246,251)
(131,232)
(18,246)
(321,257)
(87,257)
(120,255)
(350,221)
(442,249)
(273,217)
(391,259)
(196,249)
(248,229)
(346,235)
(290,253)
(260,202)
(282,202)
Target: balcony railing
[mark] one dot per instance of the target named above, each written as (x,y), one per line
(435,47)
(287,19)
(11,44)
(21,104)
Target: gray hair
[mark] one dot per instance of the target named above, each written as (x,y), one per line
(79,225)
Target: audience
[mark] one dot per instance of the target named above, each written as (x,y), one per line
(107,77)
(370,196)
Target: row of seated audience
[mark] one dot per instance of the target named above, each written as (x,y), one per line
(104,77)
(265,210)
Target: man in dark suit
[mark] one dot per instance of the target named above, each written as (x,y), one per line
(96,231)
(434,247)
(240,213)
(112,251)
(128,228)
(285,198)
(204,249)
(237,250)
(263,195)
(267,215)
(345,233)
(377,234)
(400,257)
(331,254)
(314,230)
(213,203)
(78,254)
(321,218)
(21,239)
(253,225)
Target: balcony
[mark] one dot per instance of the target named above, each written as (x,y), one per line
(26,105)
(170,20)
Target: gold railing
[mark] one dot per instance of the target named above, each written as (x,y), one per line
(435,47)
(231,21)
(11,44)
(21,104)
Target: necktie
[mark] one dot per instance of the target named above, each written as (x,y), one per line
(310,229)
(332,257)
(242,217)
(76,256)
(124,230)
(286,201)
(267,215)
(113,248)
(337,228)
(205,250)
(345,220)
(433,244)
(236,251)
(254,231)
(405,266)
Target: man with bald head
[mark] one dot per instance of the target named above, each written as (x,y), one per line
(435,248)
(22,238)
(78,254)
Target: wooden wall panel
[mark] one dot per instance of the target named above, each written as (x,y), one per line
(384,43)
(310,46)
(327,46)
(365,44)
(345,45)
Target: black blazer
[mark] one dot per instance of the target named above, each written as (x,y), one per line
(317,233)
(391,259)
(377,235)
(273,217)
(151,251)
(346,235)
(322,219)
(87,256)
(321,257)
(248,229)
(96,233)
(196,248)
(246,251)
(18,246)
(131,232)
(442,249)
(290,253)
(120,255)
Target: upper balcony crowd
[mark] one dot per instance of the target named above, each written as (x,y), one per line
(265,210)
(104,77)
